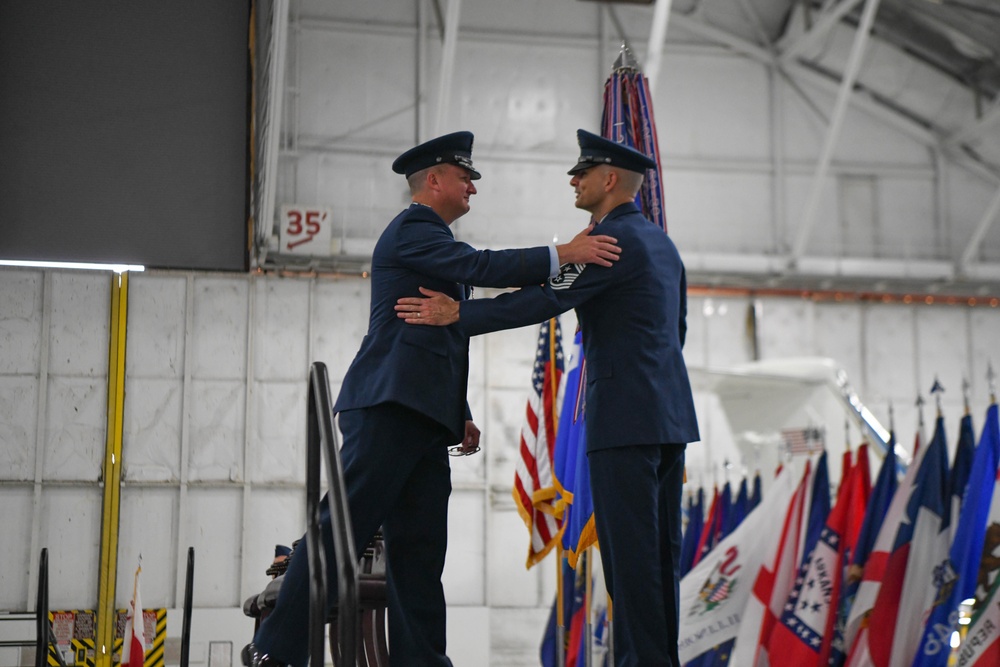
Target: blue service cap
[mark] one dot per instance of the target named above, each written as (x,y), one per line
(281,550)
(596,150)
(454,148)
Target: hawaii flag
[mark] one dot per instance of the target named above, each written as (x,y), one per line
(714,594)
(134,645)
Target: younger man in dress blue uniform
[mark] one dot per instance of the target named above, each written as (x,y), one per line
(640,412)
(403,403)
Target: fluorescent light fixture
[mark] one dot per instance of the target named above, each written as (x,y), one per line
(38,264)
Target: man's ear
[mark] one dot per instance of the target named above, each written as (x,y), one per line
(610,180)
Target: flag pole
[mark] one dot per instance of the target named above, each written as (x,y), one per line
(560,612)
(587,593)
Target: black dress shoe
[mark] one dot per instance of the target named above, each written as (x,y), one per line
(251,657)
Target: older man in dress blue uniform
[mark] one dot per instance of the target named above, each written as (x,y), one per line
(640,412)
(403,403)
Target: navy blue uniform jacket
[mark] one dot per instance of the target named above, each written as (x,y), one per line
(632,315)
(426,368)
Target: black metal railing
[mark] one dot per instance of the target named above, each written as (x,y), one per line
(186,625)
(321,433)
(42,629)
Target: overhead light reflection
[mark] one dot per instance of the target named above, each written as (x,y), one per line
(88,266)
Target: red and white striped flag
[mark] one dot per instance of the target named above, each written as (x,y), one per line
(534,488)
(134,644)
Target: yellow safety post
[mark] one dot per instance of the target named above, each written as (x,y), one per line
(112,473)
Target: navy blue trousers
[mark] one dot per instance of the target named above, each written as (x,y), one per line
(637,512)
(397,476)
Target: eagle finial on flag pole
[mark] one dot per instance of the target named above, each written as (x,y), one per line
(936,390)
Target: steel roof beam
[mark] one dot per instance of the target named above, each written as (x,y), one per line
(833,133)
(826,23)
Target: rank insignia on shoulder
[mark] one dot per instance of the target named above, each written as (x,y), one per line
(568,273)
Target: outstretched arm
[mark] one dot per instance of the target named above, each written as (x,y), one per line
(599,249)
(434,308)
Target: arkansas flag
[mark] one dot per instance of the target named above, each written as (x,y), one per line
(134,645)
(806,629)
(715,592)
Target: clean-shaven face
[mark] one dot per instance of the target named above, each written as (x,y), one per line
(589,187)
(456,189)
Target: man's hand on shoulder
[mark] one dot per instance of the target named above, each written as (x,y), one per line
(598,249)
(434,308)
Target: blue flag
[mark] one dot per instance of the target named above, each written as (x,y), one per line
(696,521)
(819,507)
(956,578)
(962,466)
(738,510)
(755,496)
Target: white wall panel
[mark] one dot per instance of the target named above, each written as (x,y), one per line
(147,528)
(712,105)
(20,321)
(78,339)
(361,189)
(152,430)
(984,341)
(374,102)
(15,547)
(213,527)
(907,212)
(510,102)
(825,237)
(943,353)
(372,10)
(786,328)
(516,634)
(277,516)
(838,336)
(75,428)
(340,321)
(891,349)
(731,219)
(18,427)
(727,340)
(219,345)
(506,411)
(156,326)
(281,325)
(279,439)
(71,530)
(216,430)
(464,576)
(511,584)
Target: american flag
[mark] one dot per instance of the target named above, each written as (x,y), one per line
(803,440)
(534,490)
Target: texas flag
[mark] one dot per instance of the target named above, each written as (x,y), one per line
(875,567)
(920,549)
